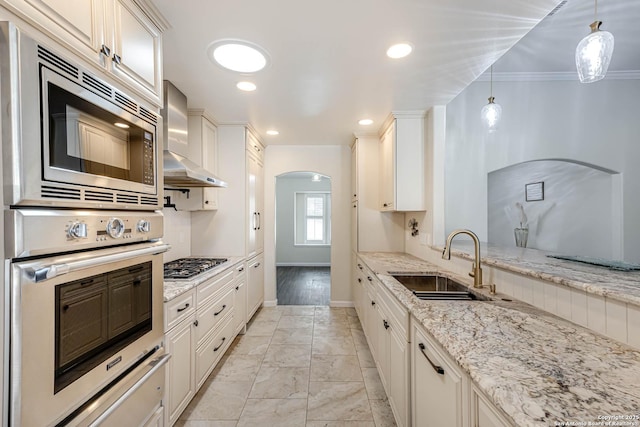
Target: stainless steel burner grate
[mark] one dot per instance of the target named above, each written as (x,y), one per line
(186,268)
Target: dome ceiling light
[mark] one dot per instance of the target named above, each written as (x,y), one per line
(246,86)
(399,50)
(273,132)
(237,55)
(365,122)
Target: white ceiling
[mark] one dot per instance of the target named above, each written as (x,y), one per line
(328,64)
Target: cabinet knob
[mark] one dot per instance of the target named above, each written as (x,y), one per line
(117,59)
(105,50)
(386,324)
(373,302)
(206,202)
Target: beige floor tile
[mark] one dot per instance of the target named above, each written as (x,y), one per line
(331,330)
(297,310)
(335,401)
(292,336)
(240,367)
(382,413)
(246,344)
(268,314)
(375,389)
(295,322)
(274,382)
(354,323)
(329,312)
(218,400)
(288,355)
(365,357)
(261,328)
(205,423)
(273,412)
(334,345)
(340,424)
(335,368)
(352,312)
(359,339)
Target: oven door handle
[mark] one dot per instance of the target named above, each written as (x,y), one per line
(46,272)
(156,364)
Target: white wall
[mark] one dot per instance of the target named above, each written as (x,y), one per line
(287,253)
(334,162)
(592,123)
(576,198)
(177,232)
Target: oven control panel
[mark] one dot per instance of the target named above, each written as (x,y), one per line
(51,231)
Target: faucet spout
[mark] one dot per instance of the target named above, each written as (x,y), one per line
(476,272)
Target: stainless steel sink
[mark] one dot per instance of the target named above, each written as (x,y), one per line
(436,287)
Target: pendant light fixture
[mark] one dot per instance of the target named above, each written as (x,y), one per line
(593,53)
(491,112)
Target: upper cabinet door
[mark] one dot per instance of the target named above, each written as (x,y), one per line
(137,49)
(78,23)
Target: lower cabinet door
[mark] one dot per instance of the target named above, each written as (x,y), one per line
(157,419)
(181,368)
(240,304)
(210,352)
(399,378)
(437,386)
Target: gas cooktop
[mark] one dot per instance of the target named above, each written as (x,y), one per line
(187,268)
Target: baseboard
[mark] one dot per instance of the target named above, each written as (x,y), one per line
(303,264)
(341,304)
(270,303)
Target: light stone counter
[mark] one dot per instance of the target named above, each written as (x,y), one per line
(173,289)
(539,369)
(620,285)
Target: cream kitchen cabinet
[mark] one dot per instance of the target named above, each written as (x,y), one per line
(255,195)
(240,299)
(371,229)
(180,378)
(255,284)
(439,390)
(484,413)
(202,149)
(116,36)
(199,327)
(402,163)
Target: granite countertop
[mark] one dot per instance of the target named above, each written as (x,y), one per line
(538,368)
(175,288)
(620,285)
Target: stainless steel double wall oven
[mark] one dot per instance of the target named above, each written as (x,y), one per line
(83,244)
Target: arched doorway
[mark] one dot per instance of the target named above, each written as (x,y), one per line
(303,238)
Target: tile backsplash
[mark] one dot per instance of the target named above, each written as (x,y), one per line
(177,232)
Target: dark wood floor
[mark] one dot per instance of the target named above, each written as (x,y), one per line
(303,285)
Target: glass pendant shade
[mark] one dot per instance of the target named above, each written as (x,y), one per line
(491,114)
(593,54)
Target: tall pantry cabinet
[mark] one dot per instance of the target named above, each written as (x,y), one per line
(236,227)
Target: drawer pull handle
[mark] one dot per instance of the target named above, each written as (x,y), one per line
(360,266)
(386,324)
(221,342)
(221,310)
(369,278)
(257,265)
(241,269)
(183,308)
(196,323)
(238,287)
(359,280)
(435,367)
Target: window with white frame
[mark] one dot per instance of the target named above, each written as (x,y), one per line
(313,218)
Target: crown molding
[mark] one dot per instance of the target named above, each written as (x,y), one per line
(548,76)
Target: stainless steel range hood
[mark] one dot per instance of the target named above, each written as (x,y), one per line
(179,171)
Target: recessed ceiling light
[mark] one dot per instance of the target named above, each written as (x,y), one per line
(273,132)
(122,125)
(365,122)
(246,86)
(238,55)
(399,50)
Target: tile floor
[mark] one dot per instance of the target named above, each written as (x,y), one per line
(298,366)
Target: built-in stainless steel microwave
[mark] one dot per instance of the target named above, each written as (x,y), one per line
(69,138)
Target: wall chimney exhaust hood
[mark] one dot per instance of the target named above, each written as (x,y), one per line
(179,171)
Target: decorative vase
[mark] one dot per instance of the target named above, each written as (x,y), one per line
(522,234)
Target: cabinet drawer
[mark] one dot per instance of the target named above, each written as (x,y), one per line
(210,315)
(178,308)
(399,314)
(212,350)
(207,290)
